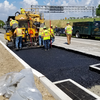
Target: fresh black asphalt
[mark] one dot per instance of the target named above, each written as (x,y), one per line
(59,64)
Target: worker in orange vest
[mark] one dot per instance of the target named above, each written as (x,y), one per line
(19,33)
(68,31)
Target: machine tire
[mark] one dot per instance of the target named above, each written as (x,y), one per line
(77,35)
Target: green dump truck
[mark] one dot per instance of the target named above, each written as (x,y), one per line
(90,29)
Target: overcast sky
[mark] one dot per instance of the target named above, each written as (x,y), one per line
(9,7)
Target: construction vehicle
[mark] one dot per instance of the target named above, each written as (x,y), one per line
(86,29)
(29,23)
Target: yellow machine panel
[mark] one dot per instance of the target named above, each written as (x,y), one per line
(21,17)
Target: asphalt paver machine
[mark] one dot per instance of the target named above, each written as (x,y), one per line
(30,23)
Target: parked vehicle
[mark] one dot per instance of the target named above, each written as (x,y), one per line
(90,29)
(60,31)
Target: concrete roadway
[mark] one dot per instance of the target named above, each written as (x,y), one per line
(87,46)
(2,31)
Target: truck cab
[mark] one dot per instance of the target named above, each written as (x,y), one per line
(96,29)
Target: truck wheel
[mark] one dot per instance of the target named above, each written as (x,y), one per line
(57,34)
(77,35)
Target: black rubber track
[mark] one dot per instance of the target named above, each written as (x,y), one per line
(59,64)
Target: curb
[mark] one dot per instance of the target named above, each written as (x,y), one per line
(80,86)
(77,50)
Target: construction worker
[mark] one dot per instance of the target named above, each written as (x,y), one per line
(46,38)
(68,31)
(18,32)
(40,37)
(22,11)
(13,23)
(51,33)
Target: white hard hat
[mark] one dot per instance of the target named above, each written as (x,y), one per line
(11,19)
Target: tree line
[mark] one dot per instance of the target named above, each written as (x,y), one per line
(98,10)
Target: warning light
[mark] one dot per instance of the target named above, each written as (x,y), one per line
(30,32)
(30,18)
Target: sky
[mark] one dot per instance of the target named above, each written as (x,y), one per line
(9,7)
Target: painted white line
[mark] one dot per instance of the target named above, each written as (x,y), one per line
(81,87)
(95,66)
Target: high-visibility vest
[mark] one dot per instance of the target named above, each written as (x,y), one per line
(46,35)
(22,11)
(19,32)
(69,29)
(40,31)
(26,31)
(51,31)
(13,22)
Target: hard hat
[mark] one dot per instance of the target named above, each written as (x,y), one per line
(44,27)
(51,26)
(11,19)
(68,22)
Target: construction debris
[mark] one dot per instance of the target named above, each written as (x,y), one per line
(19,86)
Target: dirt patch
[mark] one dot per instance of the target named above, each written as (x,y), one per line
(9,63)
